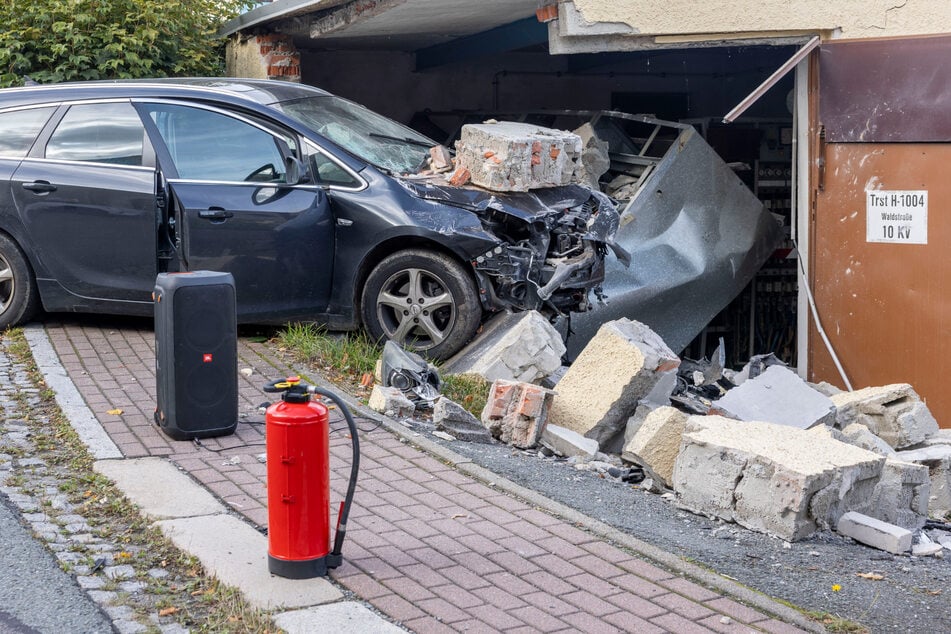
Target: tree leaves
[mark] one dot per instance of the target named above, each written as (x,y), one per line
(62,40)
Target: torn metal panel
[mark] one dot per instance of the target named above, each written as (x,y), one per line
(697,235)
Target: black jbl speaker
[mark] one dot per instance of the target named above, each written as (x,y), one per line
(196,354)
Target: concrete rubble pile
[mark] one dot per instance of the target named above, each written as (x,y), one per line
(761,448)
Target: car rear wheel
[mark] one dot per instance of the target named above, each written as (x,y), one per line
(18,298)
(422,300)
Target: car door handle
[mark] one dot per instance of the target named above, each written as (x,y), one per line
(40,187)
(215,213)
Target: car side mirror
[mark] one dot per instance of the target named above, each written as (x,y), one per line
(293,171)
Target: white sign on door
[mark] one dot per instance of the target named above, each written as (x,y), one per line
(899,216)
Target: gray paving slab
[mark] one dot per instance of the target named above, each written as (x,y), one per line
(236,554)
(68,398)
(344,617)
(158,488)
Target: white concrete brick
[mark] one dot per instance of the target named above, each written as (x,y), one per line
(567,442)
(893,412)
(656,444)
(390,401)
(875,533)
(520,346)
(509,156)
(621,365)
(771,478)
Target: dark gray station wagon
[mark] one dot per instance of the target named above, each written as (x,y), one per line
(320,208)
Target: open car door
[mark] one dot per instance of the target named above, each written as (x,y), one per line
(240,206)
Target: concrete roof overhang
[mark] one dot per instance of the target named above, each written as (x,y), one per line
(387,24)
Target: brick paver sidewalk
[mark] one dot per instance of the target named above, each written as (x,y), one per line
(427,545)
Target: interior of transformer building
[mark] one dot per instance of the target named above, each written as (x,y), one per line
(436,90)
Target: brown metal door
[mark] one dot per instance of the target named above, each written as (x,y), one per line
(881,268)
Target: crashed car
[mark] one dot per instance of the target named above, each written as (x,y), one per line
(315,204)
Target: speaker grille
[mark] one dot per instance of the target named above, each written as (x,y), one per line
(196,358)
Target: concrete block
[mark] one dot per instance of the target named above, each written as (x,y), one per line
(875,533)
(656,444)
(619,367)
(509,156)
(937,458)
(391,402)
(569,443)
(779,396)
(940,437)
(771,478)
(520,346)
(901,495)
(453,418)
(516,413)
(926,550)
(595,159)
(862,436)
(894,413)
(644,408)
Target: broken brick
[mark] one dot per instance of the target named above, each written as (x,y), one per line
(517,412)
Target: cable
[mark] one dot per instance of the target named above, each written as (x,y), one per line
(815,317)
(334,558)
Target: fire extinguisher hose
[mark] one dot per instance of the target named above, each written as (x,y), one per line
(334,559)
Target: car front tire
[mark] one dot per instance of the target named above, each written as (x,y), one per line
(424,301)
(18,297)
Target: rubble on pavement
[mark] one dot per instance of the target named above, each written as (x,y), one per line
(623,364)
(512,346)
(516,413)
(894,413)
(760,448)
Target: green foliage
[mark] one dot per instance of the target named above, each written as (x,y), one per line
(74,40)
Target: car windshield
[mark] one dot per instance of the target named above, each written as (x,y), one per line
(374,138)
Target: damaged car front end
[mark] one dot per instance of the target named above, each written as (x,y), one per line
(547,247)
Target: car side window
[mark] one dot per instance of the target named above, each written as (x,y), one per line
(211,146)
(100,133)
(18,130)
(328,171)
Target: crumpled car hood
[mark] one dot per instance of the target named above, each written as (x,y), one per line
(526,206)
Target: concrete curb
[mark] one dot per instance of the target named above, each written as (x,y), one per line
(196,522)
(68,398)
(669,560)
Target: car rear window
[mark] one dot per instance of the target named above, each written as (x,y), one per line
(100,133)
(18,130)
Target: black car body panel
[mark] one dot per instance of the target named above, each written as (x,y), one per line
(202,174)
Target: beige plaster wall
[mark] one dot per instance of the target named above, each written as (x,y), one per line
(843,18)
(243,59)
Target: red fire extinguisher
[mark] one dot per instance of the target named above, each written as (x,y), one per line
(297,432)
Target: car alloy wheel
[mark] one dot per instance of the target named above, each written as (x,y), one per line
(421,300)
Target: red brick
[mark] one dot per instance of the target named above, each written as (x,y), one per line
(689,589)
(632,623)
(397,608)
(590,624)
(638,586)
(778,627)
(540,621)
(547,13)
(442,610)
(736,610)
(644,569)
(428,624)
(408,589)
(683,606)
(589,603)
(676,623)
(495,617)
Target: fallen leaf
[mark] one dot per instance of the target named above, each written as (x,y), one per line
(870,575)
(366,380)
(197,593)
(168,611)
(114,412)
(836,587)
(933,593)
